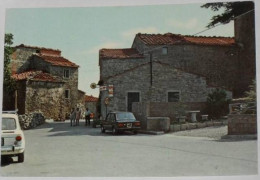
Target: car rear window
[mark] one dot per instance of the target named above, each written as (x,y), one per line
(125,116)
(8,124)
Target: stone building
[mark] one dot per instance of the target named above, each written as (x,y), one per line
(91,103)
(46,81)
(135,79)
(173,67)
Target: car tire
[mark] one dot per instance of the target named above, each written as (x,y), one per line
(114,131)
(135,131)
(103,130)
(21,157)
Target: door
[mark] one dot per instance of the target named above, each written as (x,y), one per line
(132,97)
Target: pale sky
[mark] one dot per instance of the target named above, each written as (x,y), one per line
(80,32)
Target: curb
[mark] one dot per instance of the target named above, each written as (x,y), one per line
(151,132)
(241,137)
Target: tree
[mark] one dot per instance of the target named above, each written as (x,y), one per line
(231,10)
(9,83)
(217,104)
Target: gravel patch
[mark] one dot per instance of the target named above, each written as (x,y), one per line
(215,132)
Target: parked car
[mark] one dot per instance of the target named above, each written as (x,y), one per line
(120,122)
(12,137)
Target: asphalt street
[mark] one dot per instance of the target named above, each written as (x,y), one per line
(56,149)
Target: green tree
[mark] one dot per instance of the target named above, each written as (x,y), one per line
(9,83)
(231,10)
(217,104)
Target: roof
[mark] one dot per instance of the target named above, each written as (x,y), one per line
(91,99)
(171,39)
(36,47)
(57,60)
(119,53)
(35,76)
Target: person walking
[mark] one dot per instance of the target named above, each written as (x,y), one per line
(87,117)
(78,114)
(72,117)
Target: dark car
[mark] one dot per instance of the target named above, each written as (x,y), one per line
(119,122)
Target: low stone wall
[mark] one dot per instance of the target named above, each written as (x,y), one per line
(241,124)
(32,120)
(158,124)
(196,125)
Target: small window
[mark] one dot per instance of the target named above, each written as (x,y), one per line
(8,124)
(66,73)
(164,50)
(67,93)
(173,96)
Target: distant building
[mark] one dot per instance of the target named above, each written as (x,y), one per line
(91,103)
(46,81)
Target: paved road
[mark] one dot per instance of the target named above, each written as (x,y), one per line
(56,149)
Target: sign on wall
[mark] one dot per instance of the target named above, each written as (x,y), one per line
(110,90)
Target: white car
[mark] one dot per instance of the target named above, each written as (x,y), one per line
(12,137)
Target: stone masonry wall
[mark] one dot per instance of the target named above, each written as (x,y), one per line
(47,98)
(192,88)
(242,124)
(71,84)
(245,37)
(115,66)
(219,64)
(19,58)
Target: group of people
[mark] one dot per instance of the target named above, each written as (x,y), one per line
(76,114)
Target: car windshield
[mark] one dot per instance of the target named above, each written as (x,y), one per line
(125,116)
(8,124)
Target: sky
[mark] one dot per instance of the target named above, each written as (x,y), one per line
(80,32)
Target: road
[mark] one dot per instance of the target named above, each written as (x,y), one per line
(57,150)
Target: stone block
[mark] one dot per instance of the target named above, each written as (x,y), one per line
(175,127)
(193,125)
(184,127)
(158,123)
(201,125)
(217,123)
(209,123)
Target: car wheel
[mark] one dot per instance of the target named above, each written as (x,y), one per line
(103,129)
(135,131)
(21,157)
(114,131)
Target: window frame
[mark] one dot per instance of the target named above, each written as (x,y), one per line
(67,90)
(66,73)
(174,91)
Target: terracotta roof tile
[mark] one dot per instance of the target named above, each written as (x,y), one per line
(91,99)
(119,53)
(35,76)
(171,39)
(57,60)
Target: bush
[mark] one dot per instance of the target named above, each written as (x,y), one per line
(217,104)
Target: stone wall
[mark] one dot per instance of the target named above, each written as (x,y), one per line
(46,97)
(245,37)
(117,66)
(19,59)
(143,110)
(242,124)
(192,88)
(219,64)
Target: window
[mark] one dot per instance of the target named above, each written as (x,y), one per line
(164,50)
(8,124)
(173,96)
(67,93)
(66,73)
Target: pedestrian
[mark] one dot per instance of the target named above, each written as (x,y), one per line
(78,114)
(87,117)
(72,117)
